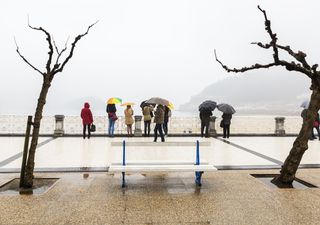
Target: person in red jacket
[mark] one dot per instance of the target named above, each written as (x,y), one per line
(87,119)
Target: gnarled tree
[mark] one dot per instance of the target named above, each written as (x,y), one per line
(52,68)
(299,64)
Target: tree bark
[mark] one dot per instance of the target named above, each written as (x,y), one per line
(28,183)
(300,145)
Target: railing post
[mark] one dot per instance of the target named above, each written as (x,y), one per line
(59,130)
(280,131)
(25,151)
(137,126)
(212,127)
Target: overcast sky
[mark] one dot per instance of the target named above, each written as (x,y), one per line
(141,48)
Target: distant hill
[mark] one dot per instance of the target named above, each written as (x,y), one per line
(260,92)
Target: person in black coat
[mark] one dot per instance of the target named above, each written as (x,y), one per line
(167,114)
(205,122)
(226,121)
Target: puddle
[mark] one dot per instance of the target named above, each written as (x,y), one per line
(40,186)
(297,183)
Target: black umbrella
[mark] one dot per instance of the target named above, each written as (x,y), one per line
(207,105)
(226,108)
(143,104)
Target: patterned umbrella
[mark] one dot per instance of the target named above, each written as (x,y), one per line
(114,101)
(207,105)
(226,108)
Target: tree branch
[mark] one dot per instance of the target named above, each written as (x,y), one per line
(50,53)
(73,45)
(244,69)
(272,35)
(24,59)
(300,56)
(60,53)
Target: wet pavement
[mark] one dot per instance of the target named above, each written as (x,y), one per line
(226,196)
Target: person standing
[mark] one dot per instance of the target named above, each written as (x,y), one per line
(147,116)
(87,119)
(205,122)
(112,116)
(158,120)
(128,115)
(167,114)
(226,121)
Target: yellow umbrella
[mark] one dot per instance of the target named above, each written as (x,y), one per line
(128,103)
(170,106)
(114,100)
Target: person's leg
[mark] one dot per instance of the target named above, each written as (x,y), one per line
(113,124)
(202,128)
(228,130)
(161,133)
(156,132)
(312,134)
(318,131)
(165,128)
(84,131)
(145,128)
(89,133)
(224,131)
(109,127)
(207,128)
(130,129)
(148,126)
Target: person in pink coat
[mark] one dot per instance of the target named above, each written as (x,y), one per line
(87,119)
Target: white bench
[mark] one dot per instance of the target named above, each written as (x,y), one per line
(156,166)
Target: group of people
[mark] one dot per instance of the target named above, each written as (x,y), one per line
(205,123)
(160,116)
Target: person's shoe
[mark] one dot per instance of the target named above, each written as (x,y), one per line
(224,137)
(154,141)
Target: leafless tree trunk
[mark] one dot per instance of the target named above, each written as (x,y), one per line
(300,145)
(47,76)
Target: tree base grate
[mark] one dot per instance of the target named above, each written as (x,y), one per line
(297,183)
(40,186)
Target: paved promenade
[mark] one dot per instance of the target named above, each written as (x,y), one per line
(226,196)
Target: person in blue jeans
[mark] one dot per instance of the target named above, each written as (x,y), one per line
(111,110)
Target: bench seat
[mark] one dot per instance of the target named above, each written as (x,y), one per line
(161,168)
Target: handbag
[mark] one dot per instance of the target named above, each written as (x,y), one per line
(221,124)
(93,128)
(114,117)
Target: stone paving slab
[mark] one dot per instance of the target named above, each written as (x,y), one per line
(226,197)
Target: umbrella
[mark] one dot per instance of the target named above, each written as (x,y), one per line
(226,108)
(127,103)
(143,104)
(170,106)
(207,105)
(158,101)
(305,104)
(114,100)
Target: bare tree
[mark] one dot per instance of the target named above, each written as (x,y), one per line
(299,64)
(52,68)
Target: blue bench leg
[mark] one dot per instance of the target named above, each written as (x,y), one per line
(198,178)
(123,180)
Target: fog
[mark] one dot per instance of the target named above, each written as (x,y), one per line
(141,48)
